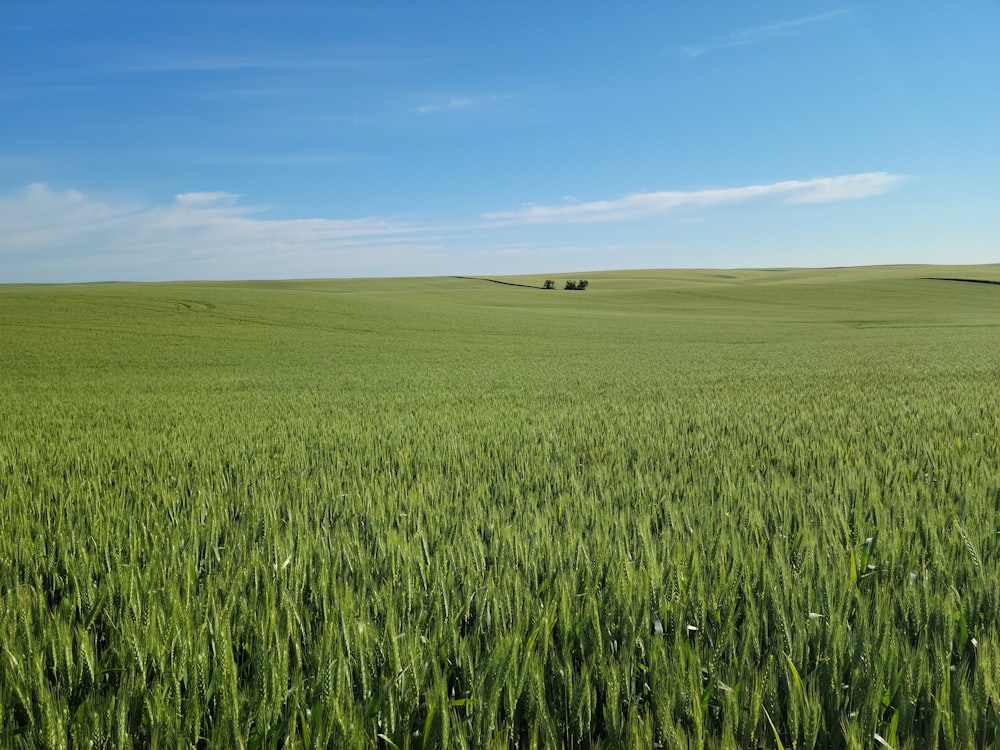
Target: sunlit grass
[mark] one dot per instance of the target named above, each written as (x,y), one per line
(678,509)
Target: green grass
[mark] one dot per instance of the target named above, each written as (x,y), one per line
(680,509)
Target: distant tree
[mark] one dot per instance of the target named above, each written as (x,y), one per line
(549,284)
(582,284)
(571,285)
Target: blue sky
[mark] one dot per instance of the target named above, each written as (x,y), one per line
(183,140)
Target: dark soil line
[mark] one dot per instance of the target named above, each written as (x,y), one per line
(496,281)
(967,281)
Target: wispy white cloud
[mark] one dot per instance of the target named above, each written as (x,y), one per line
(207,199)
(645,205)
(197,235)
(248,75)
(459,102)
(262,159)
(68,235)
(256,92)
(765,32)
(187,61)
(450,104)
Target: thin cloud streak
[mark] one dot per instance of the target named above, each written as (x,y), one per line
(66,235)
(198,234)
(647,205)
(763,33)
(451,104)
(264,160)
(461,102)
(170,61)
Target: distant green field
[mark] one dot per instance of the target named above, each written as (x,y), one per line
(753,508)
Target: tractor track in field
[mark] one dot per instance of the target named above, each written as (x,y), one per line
(967,281)
(497,281)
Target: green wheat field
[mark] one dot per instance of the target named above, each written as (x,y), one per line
(679,509)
